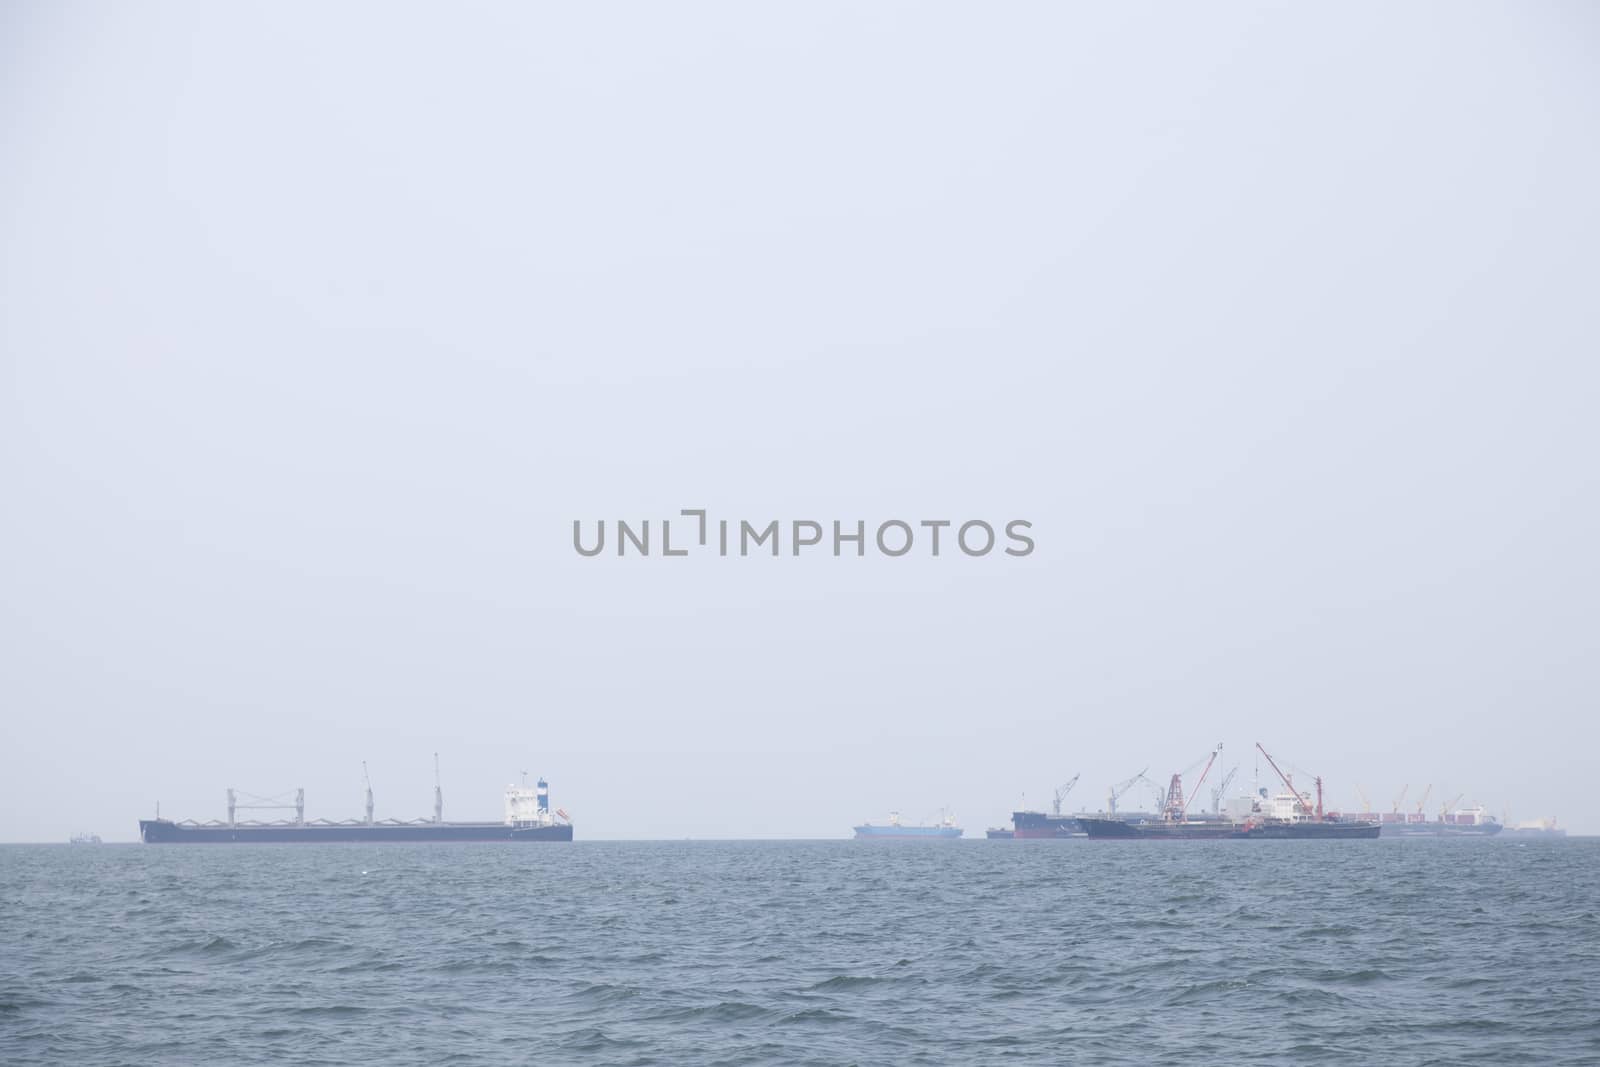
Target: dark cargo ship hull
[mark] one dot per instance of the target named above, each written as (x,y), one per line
(1116,829)
(1103,829)
(1036,824)
(1437,829)
(166,832)
(1315,831)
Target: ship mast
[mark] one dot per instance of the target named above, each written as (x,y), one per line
(438,792)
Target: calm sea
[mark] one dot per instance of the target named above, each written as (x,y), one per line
(1403,952)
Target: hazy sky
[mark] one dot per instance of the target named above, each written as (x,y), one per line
(321,323)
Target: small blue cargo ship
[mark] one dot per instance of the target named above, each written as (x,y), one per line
(943,830)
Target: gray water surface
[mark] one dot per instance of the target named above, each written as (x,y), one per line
(1394,952)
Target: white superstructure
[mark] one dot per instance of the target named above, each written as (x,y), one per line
(1289,806)
(1476,815)
(529,807)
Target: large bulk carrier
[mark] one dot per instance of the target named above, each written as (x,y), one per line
(1028,825)
(528,817)
(1289,815)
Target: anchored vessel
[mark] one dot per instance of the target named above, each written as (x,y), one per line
(1536,828)
(1055,826)
(943,830)
(1026,825)
(1287,815)
(1329,827)
(1036,824)
(528,818)
(1464,822)
(1453,821)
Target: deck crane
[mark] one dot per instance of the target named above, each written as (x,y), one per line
(1061,793)
(1425,794)
(368,778)
(1366,805)
(1401,799)
(1221,790)
(279,802)
(1121,788)
(1445,811)
(1184,806)
(1298,799)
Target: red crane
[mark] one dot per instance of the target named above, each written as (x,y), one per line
(1202,778)
(1290,785)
